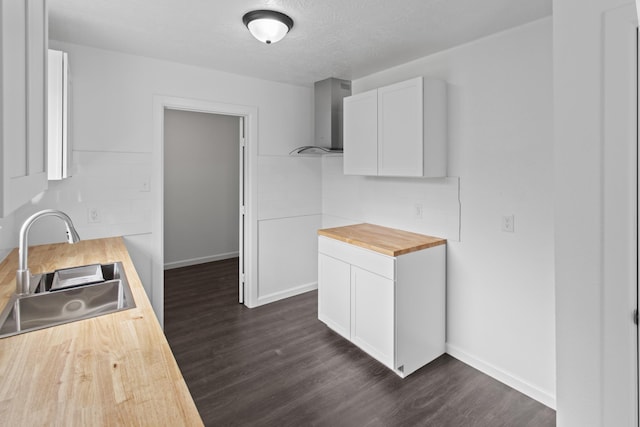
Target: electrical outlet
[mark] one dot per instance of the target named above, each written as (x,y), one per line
(93,215)
(508,225)
(145,185)
(418,211)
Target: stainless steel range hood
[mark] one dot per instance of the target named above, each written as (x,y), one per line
(328,95)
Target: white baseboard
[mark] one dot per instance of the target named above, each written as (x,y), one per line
(266,299)
(201,260)
(512,381)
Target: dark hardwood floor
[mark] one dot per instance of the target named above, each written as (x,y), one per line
(278,365)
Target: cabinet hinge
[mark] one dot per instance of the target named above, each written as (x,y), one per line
(243,210)
(635,316)
(242,277)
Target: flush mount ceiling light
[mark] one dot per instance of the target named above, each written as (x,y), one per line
(268,26)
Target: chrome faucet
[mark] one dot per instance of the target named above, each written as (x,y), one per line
(23,276)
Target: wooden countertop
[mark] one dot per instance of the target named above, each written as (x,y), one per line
(115,369)
(387,241)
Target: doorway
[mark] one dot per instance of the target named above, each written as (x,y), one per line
(247,159)
(201,187)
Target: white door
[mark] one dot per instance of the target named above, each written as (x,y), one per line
(361,134)
(620,218)
(400,119)
(23,55)
(334,294)
(372,314)
(242,214)
(637,115)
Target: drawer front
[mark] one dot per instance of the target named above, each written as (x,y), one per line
(366,259)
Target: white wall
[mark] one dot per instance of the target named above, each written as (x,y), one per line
(110,182)
(112,129)
(8,235)
(290,213)
(201,187)
(500,286)
(586,362)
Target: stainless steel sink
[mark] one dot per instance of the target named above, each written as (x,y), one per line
(54,303)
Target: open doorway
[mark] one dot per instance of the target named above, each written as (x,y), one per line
(201,188)
(247,147)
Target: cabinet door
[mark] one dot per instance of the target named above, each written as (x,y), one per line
(400,128)
(361,134)
(334,294)
(372,314)
(23,42)
(58,146)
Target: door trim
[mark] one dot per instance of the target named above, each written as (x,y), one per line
(241,208)
(250,119)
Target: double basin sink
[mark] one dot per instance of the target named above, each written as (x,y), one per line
(67,295)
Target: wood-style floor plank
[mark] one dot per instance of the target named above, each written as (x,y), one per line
(278,365)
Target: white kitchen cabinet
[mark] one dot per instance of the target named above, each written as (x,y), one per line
(397,130)
(334,300)
(360,117)
(390,303)
(59,149)
(23,73)
(372,314)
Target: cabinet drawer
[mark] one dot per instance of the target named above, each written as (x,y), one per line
(374,262)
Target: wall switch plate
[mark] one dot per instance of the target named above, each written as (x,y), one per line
(508,225)
(93,215)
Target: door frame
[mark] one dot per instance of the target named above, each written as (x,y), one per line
(249,244)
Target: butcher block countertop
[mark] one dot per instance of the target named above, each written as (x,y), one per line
(115,369)
(387,241)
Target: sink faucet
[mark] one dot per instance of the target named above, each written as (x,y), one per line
(23,275)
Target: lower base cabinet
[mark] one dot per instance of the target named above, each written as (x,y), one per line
(372,314)
(393,308)
(334,300)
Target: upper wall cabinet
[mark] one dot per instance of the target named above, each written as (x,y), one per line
(57,117)
(23,74)
(397,130)
(360,141)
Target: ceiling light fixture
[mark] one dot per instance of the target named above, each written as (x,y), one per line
(268,26)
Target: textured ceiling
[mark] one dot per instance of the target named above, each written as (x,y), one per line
(348,39)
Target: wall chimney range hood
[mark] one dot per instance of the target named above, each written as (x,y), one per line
(328,95)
